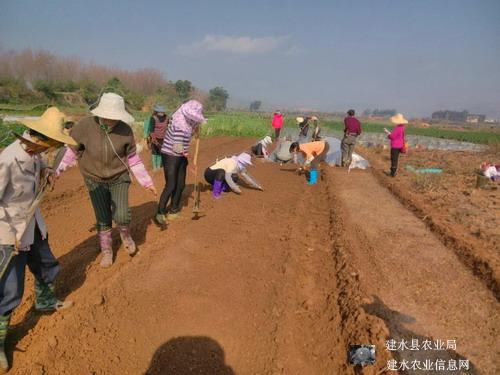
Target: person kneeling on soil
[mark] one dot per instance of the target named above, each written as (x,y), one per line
(23,233)
(283,154)
(314,153)
(260,148)
(223,175)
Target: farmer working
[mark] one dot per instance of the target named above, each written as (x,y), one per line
(260,148)
(352,129)
(314,153)
(224,174)
(23,233)
(282,153)
(106,153)
(154,131)
(277,123)
(398,139)
(185,123)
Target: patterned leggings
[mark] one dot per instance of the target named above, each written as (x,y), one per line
(110,201)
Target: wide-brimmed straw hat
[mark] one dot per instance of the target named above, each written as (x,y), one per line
(398,118)
(112,107)
(51,125)
(299,119)
(268,140)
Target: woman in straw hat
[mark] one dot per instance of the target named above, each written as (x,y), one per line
(106,152)
(397,138)
(175,149)
(23,236)
(154,131)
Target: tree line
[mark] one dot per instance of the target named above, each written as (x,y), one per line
(38,76)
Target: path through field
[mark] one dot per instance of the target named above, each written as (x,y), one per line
(274,282)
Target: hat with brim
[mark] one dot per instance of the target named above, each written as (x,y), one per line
(112,107)
(159,108)
(51,125)
(268,140)
(398,119)
(299,119)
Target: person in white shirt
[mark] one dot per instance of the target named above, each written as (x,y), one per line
(224,174)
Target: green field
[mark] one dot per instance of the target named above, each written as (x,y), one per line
(242,124)
(249,125)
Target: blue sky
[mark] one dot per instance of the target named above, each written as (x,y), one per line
(413,55)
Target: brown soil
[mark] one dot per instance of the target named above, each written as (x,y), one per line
(273,282)
(465,217)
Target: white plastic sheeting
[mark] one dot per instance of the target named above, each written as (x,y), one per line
(334,156)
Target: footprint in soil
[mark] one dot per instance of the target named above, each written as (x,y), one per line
(189,355)
(395,322)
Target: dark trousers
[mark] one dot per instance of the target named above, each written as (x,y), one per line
(174,168)
(257,149)
(212,175)
(347,146)
(277,132)
(319,158)
(40,261)
(110,201)
(394,160)
(156,147)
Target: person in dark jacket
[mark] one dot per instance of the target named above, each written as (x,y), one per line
(154,132)
(352,129)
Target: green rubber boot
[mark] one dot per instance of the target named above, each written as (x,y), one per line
(4,327)
(46,300)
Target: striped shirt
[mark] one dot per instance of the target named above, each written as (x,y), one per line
(177,135)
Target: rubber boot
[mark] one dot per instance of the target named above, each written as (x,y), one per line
(173,215)
(313,177)
(160,219)
(127,240)
(4,327)
(393,172)
(157,161)
(225,187)
(106,242)
(217,189)
(45,298)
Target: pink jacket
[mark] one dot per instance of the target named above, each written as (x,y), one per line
(397,136)
(277,121)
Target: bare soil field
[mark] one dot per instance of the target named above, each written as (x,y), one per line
(467,218)
(273,282)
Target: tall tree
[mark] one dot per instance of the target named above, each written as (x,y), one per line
(184,89)
(255,105)
(217,98)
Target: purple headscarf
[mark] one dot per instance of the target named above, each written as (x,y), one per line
(188,115)
(244,160)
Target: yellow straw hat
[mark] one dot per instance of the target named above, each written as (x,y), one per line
(51,125)
(299,119)
(398,119)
